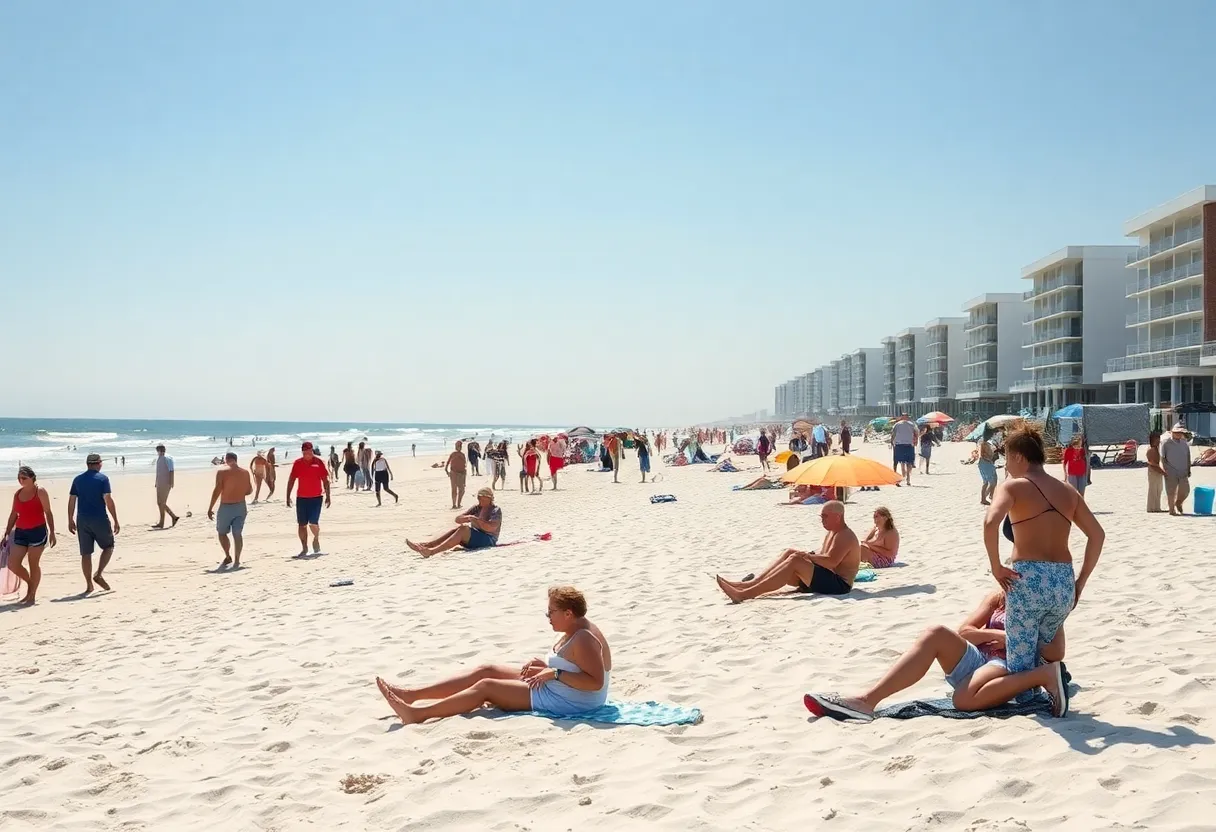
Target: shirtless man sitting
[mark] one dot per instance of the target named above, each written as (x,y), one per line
(830,572)
(258,467)
(232,486)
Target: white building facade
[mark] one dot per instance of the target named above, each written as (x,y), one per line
(944,355)
(1074,324)
(992,358)
(911,370)
(1171,330)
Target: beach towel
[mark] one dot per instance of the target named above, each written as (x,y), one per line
(10,584)
(627,713)
(1038,704)
(864,576)
(662,498)
(726,467)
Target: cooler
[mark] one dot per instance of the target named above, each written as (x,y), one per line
(1203,499)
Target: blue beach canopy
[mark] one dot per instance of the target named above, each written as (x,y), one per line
(1073,411)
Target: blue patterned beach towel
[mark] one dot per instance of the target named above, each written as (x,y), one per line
(628,713)
(1038,704)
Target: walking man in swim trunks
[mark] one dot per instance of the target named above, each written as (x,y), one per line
(88,501)
(258,467)
(457,471)
(829,572)
(164,484)
(271,473)
(232,486)
(310,471)
(903,446)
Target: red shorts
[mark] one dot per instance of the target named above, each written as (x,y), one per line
(531,465)
(556,463)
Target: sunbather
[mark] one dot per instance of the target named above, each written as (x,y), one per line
(831,572)
(881,546)
(1207,458)
(760,484)
(572,679)
(973,659)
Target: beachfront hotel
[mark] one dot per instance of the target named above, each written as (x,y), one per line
(943,363)
(1074,322)
(890,363)
(865,390)
(1171,340)
(992,359)
(911,370)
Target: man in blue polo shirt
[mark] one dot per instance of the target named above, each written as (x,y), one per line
(88,502)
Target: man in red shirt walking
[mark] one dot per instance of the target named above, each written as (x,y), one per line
(313,477)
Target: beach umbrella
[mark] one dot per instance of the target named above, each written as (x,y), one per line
(1004,420)
(582,432)
(936,417)
(1073,411)
(846,470)
(804,425)
(782,457)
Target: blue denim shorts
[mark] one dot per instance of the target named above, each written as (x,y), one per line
(971,661)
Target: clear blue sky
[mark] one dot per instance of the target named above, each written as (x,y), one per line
(549,212)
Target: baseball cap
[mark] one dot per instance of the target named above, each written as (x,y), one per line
(92,459)
(1178,426)
(307,446)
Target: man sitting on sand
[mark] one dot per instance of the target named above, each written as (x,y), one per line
(830,572)
(477,528)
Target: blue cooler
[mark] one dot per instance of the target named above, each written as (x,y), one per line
(1203,499)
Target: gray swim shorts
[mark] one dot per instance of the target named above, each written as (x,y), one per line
(230,518)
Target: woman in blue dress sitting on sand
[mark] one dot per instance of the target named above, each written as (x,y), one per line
(572,679)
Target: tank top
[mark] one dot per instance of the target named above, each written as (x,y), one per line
(30,514)
(995,622)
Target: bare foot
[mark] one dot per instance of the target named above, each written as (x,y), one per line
(424,551)
(227,561)
(403,711)
(101,582)
(175,519)
(236,564)
(731,592)
(88,590)
(404,694)
(412,545)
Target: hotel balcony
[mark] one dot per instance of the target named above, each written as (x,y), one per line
(1175,342)
(980,385)
(1066,307)
(1166,244)
(936,391)
(1208,356)
(1174,358)
(1052,359)
(1044,381)
(983,338)
(1046,287)
(1167,277)
(979,321)
(1046,335)
(1166,310)
(980,355)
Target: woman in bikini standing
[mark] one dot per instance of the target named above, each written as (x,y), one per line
(1037,511)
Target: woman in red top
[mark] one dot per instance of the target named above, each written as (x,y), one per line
(1076,464)
(31,526)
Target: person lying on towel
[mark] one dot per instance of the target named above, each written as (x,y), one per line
(829,572)
(973,659)
(572,679)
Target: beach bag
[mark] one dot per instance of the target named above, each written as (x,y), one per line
(359,481)
(10,584)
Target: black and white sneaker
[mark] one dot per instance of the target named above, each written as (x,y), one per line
(831,705)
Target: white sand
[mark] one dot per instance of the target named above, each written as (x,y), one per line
(186,699)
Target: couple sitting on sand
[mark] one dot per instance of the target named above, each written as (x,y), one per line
(832,569)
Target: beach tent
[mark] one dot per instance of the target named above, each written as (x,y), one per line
(582,432)
(1073,411)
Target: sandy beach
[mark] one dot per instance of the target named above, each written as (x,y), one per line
(188,698)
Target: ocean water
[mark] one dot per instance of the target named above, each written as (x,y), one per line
(59,446)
